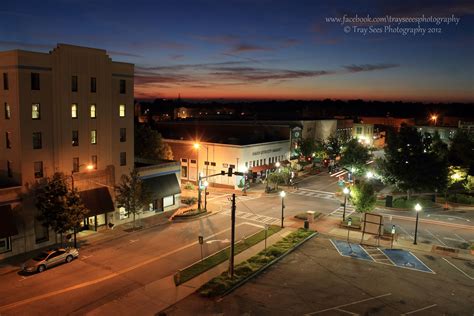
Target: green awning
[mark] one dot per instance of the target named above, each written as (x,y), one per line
(162,186)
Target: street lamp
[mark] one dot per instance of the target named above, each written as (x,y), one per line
(346,192)
(197,146)
(89,167)
(369,175)
(282,194)
(277,164)
(418,210)
(205,194)
(434,118)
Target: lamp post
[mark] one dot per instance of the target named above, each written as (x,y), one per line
(417,209)
(205,194)
(282,194)
(245,170)
(369,175)
(346,192)
(197,146)
(89,167)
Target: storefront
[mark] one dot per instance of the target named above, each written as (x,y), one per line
(98,202)
(164,191)
(7,228)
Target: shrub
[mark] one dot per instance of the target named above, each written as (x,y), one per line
(189,186)
(461,198)
(189,200)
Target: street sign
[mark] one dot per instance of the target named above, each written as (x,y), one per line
(201,239)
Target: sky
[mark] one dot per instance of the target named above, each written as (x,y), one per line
(263,49)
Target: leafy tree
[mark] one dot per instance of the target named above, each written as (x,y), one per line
(149,144)
(411,165)
(60,208)
(334,143)
(308,147)
(280,176)
(131,194)
(461,151)
(363,197)
(355,156)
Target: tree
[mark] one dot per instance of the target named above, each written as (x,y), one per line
(411,164)
(60,208)
(149,144)
(131,194)
(355,156)
(280,176)
(307,147)
(334,144)
(363,197)
(461,151)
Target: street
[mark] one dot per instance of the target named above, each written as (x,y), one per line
(109,271)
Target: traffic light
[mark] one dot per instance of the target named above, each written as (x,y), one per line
(229,172)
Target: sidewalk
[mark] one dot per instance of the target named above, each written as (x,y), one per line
(163,293)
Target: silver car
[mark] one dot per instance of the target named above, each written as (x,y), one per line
(50,258)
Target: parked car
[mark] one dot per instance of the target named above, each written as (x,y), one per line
(50,258)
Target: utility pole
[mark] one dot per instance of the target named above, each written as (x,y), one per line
(232,239)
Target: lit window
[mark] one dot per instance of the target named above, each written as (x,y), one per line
(35,111)
(122,110)
(8,113)
(93,113)
(74,110)
(123,213)
(168,201)
(94,137)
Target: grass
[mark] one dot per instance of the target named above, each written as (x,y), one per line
(304,216)
(221,284)
(221,256)
(403,203)
(356,221)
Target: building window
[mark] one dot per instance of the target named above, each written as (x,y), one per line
(35,111)
(213,164)
(123,134)
(94,137)
(75,164)
(93,84)
(37,140)
(8,140)
(35,81)
(41,232)
(8,112)
(123,158)
(38,167)
(74,83)
(5,244)
(122,110)
(184,160)
(193,161)
(122,213)
(358,130)
(94,161)
(5,81)
(9,169)
(123,86)
(184,171)
(74,110)
(168,201)
(93,113)
(75,138)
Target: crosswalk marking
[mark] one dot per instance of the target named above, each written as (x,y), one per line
(339,173)
(315,194)
(254,217)
(340,211)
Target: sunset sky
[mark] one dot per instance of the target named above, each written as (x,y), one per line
(261,49)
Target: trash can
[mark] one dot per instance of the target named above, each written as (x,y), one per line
(306,224)
(310,216)
(389,201)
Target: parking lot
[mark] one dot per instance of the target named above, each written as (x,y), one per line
(317,280)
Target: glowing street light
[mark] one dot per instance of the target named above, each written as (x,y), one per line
(418,210)
(369,175)
(434,118)
(282,195)
(277,164)
(346,192)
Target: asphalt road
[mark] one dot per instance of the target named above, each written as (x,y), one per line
(316,280)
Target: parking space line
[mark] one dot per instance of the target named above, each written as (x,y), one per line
(460,238)
(420,309)
(404,230)
(344,311)
(435,237)
(348,304)
(467,275)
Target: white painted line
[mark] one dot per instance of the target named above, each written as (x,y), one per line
(421,309)
(336,248)
(348,304)
(316,191)
(368,254)
(452,239)
(422,264)
(406,232)
(467,275)
(435,237)
(255,225)
(344,311)
(462,239)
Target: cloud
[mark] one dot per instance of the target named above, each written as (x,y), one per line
(244,47)
(176,56)
(218,39)
(117,53)
(369,67)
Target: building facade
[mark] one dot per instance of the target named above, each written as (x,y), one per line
(62,111)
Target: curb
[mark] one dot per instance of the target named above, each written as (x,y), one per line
(259,271)
(179,219)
